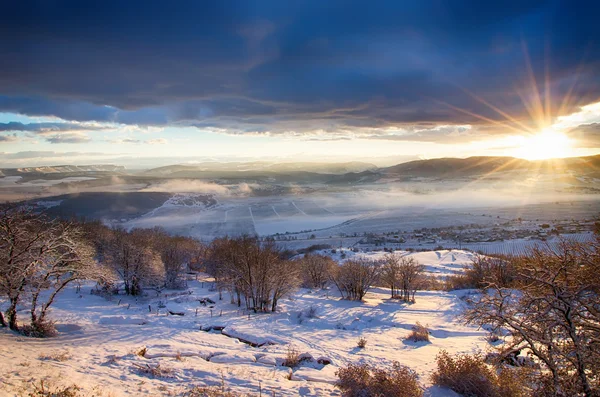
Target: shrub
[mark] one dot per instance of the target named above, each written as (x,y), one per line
(292,357)
(469,375)
(43,389)
(55,356)
(142,352)
(310,312)
(419,333)
(210,391)
(483,271)
(362,343)
(155,371)
(358,380)
(39,329)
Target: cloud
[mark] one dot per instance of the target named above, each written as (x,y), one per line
(188,186)
(68,138)
(124,141)
(294,68)
(48,127)
(587,135)
(48,154)
(157,141)
(9,138)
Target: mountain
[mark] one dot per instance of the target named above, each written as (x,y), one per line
(449,168)
(238,169)
(455,167)
(62,169)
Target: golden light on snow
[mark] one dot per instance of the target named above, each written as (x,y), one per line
(546,144)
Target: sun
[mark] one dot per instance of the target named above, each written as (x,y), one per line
(546,144)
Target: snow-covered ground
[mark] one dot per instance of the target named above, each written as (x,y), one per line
(99,338)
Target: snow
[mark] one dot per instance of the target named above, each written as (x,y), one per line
(120,320)
(244,350)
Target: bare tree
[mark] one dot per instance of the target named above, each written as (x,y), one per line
(176,252)
(252,271)
(390,273)
(134,258)
(411,276)
(355,277)
(285,279)
(554,313)
(315,270)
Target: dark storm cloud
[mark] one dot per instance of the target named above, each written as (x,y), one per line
(277,66)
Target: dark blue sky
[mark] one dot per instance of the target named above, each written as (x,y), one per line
(281,66)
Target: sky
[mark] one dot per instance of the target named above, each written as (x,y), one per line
(152,83)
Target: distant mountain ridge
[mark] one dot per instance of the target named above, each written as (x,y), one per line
(189,170)
(62,169)
(471,166)
(341,173)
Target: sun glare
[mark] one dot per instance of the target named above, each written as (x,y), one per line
(546,144)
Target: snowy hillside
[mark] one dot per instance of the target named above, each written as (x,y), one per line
(99,339)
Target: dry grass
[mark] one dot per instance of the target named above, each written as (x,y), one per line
(50,388)
(362,343)
(419,333)
(292,357)
(469,375)
(358,380)
(211,391)
(155,371)
(40,329)
(60,356)
(142,351)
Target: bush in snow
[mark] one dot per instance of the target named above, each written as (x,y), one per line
(362,343)
(359,380)
(43,389)
(55,356)
(292,357)
(155,371)
(419,333)
(39,329)
(469,375)
(484,271)
(310,312)
(211,391)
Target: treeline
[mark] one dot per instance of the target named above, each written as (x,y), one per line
(257,274)
(143,258)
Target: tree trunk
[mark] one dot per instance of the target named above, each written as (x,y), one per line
(274,305)
(11,313)
(2,322)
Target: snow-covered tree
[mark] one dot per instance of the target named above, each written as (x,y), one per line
(40,255)
(553,312)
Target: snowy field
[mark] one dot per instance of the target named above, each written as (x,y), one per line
(343,214)
(99,339)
